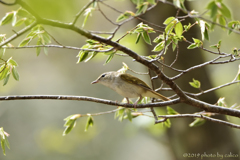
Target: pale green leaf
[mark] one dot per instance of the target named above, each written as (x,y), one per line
(15,74)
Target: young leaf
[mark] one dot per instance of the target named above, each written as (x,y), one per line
(4,140)
(178,29)
(7,18)
(195,83)
(120,113)
(225,11)
(197,122)
(38,49)
(124,16)
(174,44)
(192,46)
(90,123)
(146,37)
(45,49)
(171,111)
(12,62)
(213,8)
(15,74)
(129,114)
(70,123)
(159,47)
(82,56)
(2,52)
(14,18)
(110,57)
(138,38)
(92,55)
(167,123)
(88,12)
(4,72)
(6,79)
(169,20)
(142,8)
(25,42)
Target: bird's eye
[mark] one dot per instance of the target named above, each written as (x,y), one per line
(103,75)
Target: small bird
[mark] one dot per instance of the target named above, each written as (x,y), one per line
(128,86)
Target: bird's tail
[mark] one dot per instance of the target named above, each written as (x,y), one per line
(158,96)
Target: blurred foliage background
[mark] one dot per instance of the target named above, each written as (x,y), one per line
(36,126)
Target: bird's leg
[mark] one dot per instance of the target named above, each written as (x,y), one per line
(139,99)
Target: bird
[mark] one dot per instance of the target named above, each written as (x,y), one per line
(128,86)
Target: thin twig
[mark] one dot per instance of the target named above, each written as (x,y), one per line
(198,116)
(81,12)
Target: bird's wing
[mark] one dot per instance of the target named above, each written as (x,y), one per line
(134,80)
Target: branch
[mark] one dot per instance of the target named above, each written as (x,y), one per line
(24,30)
(198,116)
(8,4)
(182,96)
(85,98)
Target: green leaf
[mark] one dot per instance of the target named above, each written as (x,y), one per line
(129,114)
(171,111)
(90,123)
(222,20)
(45,49)
(178,29)
(195,83)
(6,79)
(92,55)
(159,47)
(187,27)
(225,11)
(124,16)
(15,74)
(169,20)
(45,38)
(146,37)
(167,123)
(88,12)
(2,52)
(221,102)
(82,55)
(151,2)
(70,123)
(110,57)
(14,18)
(25,42)
(12,62)
(174,44)
(213,9)
(120,113)
(138,38)
(20,22)
(232,25)
(169,28)
(4,140)
(4,72)
(7,18)
(142,8)
(192,46)
(38,49)
(197,122)
(159,39)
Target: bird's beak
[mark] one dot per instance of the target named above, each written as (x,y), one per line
(93,82)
